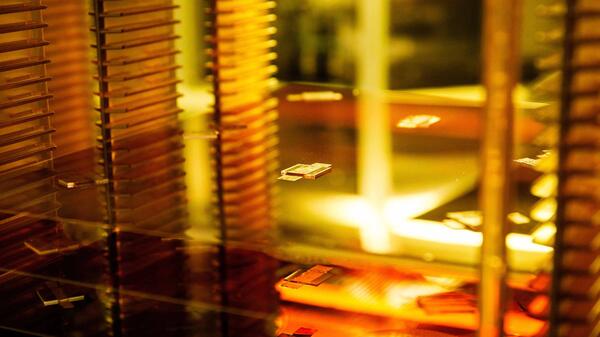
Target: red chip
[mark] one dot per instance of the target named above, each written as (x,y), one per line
(304,332)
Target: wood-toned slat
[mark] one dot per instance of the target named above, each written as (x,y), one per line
(22,63)
(137,10)
(132,27)
(31,99)
(21,44)
(139,42)
(21,26)
(22,7)
(23,82)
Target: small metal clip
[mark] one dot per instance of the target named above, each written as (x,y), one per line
(54,294)
(300,332)
(72,181)
(299,171)
(311,277)
(418,121)
(470,219)
(47,245)
(315,96)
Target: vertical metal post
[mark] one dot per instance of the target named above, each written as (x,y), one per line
(500,75)
(106,138)
(566,99)
(223,235)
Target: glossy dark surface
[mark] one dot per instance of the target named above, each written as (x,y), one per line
(174,274)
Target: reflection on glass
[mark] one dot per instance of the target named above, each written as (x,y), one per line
(172,222)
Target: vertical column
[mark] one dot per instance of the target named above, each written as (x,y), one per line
(374,136)
(245,115)
(246,155)
(113,302)
(500,76)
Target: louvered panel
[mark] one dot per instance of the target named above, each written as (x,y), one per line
(67,33)
(25,117)
(26,159)
(244,110)
(140,151)
(240,42)
(577,262)
(134,44)
(25,125)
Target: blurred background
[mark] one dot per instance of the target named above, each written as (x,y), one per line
(430,43)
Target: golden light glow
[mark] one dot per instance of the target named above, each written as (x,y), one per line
(422,239)
(374,138)
(518,218)
(544,234)
(196,103)
(388,297)
(544,210)
(545,186)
